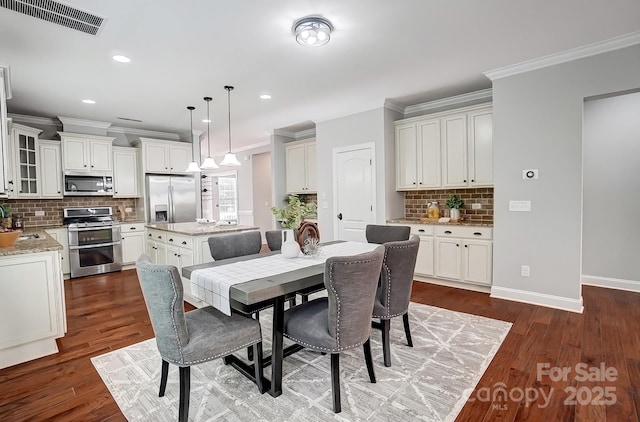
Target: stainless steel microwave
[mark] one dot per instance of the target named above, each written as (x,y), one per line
(86,185)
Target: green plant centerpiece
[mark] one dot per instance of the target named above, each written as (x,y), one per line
(455,203)
(294,213)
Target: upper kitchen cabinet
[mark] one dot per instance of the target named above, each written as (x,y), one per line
(452,149)
(165,157)
(50,169)
(301,167)
(86,153)
(418,155)
(5,93)
(23,174)
(125,172)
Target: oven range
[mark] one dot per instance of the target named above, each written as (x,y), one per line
(94,241)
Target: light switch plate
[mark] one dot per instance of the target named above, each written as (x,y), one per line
(520,206)
(39,213)
(476,206)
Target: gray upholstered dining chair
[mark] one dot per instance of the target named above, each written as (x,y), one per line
(342,320)
(198,336)
(274,239)
(236,244)
(380,234)
(394,289)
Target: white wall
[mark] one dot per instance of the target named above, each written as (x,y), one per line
(538,124)
(355,129)
(611,227)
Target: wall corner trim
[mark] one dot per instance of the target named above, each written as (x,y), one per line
(611,44)
(540,299)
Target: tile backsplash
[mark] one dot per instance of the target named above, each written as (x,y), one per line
(416,203)
(52,208)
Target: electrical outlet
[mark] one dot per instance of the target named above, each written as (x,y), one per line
(524,270)
(476,206)
(39,213)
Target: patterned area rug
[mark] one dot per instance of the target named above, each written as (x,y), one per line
(430,382)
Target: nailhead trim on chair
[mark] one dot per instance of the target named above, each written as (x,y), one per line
(324,348)
(386,267)
(183,363)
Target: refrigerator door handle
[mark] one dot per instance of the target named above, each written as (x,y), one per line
(170,205)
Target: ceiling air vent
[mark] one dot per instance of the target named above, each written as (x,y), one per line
(58,13)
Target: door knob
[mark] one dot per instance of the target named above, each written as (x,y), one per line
(340,216)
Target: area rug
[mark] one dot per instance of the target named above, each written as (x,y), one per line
(430,382)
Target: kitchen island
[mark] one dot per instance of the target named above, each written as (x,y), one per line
(185,244)
(32,308)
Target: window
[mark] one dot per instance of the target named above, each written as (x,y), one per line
(220,196)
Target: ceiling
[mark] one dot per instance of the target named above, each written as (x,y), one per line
(404,52)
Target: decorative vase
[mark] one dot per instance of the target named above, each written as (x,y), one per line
(455,214)
(290,248)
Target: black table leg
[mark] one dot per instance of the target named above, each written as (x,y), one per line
(277,352)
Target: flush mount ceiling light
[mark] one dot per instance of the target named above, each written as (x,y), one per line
(229,158)
(208,163)
(193,165)
(88,101)
(312,31)
(121,59)
(265,97)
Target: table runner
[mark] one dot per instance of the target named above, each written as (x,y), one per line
(211,285)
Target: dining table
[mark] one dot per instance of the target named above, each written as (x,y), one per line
(260,292)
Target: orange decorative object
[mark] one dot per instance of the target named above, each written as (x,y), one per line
(9,238)
(306,230)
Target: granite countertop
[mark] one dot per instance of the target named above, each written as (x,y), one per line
(43,243)
(435,223)
(197,229)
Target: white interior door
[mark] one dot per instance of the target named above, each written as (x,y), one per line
(354,193)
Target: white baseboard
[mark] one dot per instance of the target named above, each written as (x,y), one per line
(541,299)
(611,283)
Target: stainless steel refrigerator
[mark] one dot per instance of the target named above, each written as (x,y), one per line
(171,199)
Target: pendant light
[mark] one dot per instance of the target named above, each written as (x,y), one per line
(193,165)
(208,163)
(229,158)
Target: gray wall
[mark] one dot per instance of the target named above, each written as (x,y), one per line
(611,188)
(262,195)
(355,129)
(394,201)
(538,124)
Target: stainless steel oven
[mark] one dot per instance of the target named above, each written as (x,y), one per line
(94,241)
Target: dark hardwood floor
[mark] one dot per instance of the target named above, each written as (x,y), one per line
(108,312)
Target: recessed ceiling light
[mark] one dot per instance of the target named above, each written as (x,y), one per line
(206,121)
(88,101)
(265,96)
(121,59)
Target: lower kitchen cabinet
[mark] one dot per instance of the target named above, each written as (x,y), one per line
(447,258)
(477,261)
(133,239)
(32,306)
(61,235)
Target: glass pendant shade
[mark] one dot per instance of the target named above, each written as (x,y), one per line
(208,163)
(193,166)
(229,158)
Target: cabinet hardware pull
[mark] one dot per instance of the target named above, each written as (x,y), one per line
(58,191)
(473,180)
(85,165)
(184,243)
(159,237)
(447,232)
(132,228)
(178,256)
(457,245)
(477,234)
(465,180)
(421,230)
(466,246)
(414,183)
(150,235)
(170,240)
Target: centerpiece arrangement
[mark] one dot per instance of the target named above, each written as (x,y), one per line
(455,203)
(291,217)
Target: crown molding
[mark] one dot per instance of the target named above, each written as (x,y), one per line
(304,134)
(82,122)
(286,133)
(605,46)
(485,94)
(34,120)
(394,107)
(144,132)
(250,147)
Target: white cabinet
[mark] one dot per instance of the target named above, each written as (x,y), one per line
(418,155)
(451,149)
(133,240)
(463,253)
(125,172)
(5,92)
(24,178)
(50,169)
(61,235)
(86,153)
(33,310)
(165,157)
(301,168)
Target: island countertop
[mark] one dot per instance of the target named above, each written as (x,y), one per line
(197,229)
(43,243)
